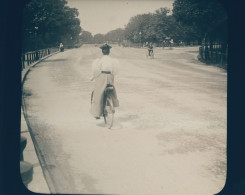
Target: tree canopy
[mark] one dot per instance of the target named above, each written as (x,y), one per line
(115,35)
(207,18)
(157,27)
(48,22)
(99,38)
(86,37)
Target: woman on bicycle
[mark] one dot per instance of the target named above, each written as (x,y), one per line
(104,70)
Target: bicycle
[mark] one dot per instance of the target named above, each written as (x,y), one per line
(108,109)
(150,53)
(61,49)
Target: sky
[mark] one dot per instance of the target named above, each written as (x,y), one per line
(102,16)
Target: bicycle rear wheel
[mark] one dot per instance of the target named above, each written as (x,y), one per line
(109,112)
(152,54)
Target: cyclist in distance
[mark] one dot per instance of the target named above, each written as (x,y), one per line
(150,49)
(104,69)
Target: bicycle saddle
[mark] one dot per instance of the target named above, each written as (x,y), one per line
(109,87)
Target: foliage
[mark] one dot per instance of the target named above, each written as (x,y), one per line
(136,30)
(206,18)
(48,22)
(192,20)
(115,35)
(86,37)
(156,27)
(99,38)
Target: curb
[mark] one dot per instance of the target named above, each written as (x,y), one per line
(38,183)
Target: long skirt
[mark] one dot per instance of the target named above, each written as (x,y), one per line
(97,99)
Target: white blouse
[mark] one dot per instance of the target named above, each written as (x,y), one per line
(106,63)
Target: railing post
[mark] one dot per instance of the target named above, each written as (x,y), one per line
(29,58)
(32,57)
(206,54)
(36,55)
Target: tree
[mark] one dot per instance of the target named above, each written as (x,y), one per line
(164,25)
(153,27)
(207,18)
(86,37)
(48,22)
(115,35)
(99,38)
(139,28)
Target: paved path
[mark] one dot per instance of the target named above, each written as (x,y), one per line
(169,135)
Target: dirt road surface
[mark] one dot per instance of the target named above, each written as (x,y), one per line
(169,134)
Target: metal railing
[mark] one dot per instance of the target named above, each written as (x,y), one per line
(213,56)
(30,57)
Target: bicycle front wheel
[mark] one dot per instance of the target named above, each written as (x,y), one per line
(109,113)
(152,55)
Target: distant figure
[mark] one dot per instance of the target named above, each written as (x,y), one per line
(61,47)
(104,70)
(163,43)
(171,43)
(150,49)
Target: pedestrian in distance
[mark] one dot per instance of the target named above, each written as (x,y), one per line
(61,47)
(104,70)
